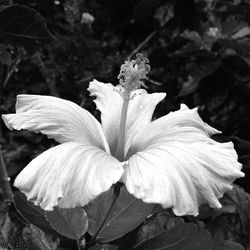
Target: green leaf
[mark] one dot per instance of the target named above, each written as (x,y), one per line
(72,223)
(21,25)
(33,214)
(127,213)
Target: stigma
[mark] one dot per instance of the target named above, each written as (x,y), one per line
(132,74)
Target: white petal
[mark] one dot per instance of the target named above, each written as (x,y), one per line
(109,102)
(179,166)
(59,119)
(68,175)
(184,125)
(140,112)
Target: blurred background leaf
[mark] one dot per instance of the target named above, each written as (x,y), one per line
(199,54)
(21,25)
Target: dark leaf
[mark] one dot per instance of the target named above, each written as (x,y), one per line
(33,214)
(10,233)
(242,47)
(104,247)
(189,86)
(205,67)
(127,213)
(243,147)
(187,236)
(193,36)
(234,28)
(245,31)
(153,226)
(235,201)
(191,49)
(5,57)
(6,231)
(72,223)
(198,71)
(240,200)
(21,25)
(164,13)
(36,239)
(144,9)
(157,224)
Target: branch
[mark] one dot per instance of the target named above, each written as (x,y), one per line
(147,39)
(11,71)
(1,93)
(239,139)
(4,180)
(142,44)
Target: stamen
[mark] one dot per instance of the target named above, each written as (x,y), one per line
(131,75)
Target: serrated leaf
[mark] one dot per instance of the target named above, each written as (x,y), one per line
(21,25)
(127,213)
(187,237)
(33,214)
(72,223)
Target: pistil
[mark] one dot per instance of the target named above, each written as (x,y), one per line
(131,74)
(120,154)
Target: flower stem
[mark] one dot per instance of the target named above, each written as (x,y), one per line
(116,192)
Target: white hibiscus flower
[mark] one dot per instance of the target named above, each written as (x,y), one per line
(171,161)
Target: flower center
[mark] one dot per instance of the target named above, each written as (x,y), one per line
(130,78)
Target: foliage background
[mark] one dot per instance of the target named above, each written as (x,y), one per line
(199,52)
